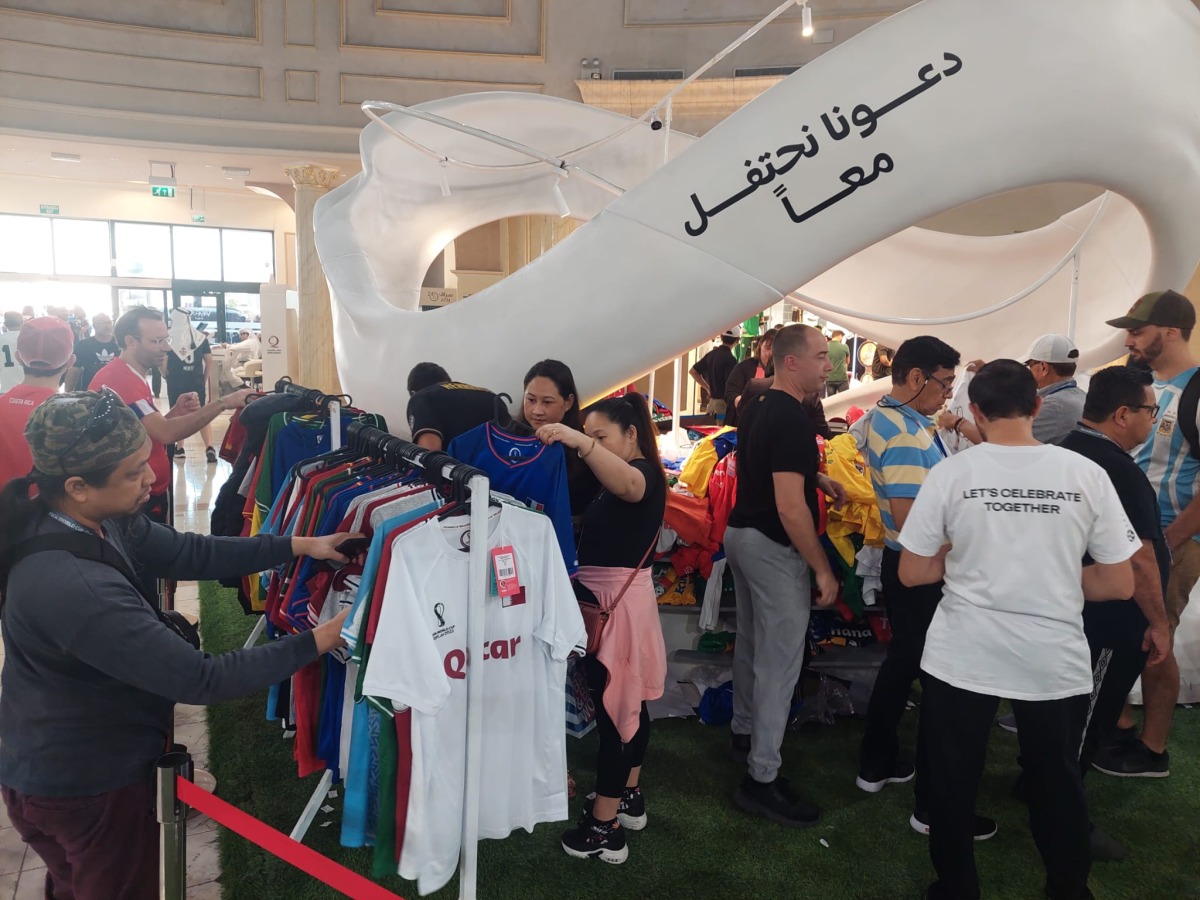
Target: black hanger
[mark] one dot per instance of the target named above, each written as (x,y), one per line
(504,421)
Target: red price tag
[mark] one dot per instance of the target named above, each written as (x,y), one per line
(504,566)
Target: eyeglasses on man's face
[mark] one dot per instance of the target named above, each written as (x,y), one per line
(946,388)
(1153,407)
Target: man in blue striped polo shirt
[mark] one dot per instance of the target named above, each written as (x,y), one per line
(902,446)
(1159,326)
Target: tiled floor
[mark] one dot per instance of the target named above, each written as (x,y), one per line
(22,874)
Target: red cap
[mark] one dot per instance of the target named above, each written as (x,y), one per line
(45,343)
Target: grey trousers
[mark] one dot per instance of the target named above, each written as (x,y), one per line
(773,603)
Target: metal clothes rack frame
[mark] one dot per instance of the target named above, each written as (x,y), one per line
(469,484)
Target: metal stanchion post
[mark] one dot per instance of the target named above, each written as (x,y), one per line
(172,817)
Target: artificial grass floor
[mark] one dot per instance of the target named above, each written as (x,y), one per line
(697,844)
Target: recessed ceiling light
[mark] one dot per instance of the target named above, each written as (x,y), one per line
(234,171)
(115,158)
(65,157)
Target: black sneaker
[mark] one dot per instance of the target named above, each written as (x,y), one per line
(874,782)
(179,451)
(775,801)
(1105,848)
(210,454)
(1134,760)
(739,747)
(631,813)
(1121,737)
(1008,723)
(985,828)
(600,840)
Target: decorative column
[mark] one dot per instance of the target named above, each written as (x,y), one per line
(318,368)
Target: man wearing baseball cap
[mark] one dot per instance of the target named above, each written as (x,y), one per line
(44,351)
(1159,326)
(714,369)
(1051,359)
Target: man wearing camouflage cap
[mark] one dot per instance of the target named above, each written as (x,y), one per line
(1159,327)
(92,673)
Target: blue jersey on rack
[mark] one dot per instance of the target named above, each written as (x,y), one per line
(525,468)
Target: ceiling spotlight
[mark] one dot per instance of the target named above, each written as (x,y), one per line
(806,25)
(65,157)
(234,171)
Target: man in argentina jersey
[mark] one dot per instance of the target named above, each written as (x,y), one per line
(1159,326)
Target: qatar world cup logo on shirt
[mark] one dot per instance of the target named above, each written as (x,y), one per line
(438,610)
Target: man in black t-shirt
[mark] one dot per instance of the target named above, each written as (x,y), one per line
(93,354)
(1124,635)
(713,370)
(773,547)
(439,410)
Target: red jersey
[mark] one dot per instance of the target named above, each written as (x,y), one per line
(16,406)
(135,391)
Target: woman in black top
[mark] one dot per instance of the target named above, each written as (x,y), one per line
(620,530)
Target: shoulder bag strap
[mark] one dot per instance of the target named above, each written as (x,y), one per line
(1189,400)
(83,546)
(633,574)
(94,548)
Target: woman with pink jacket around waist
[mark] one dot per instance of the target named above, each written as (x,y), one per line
(620,529)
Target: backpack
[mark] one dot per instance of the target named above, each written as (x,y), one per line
(96,549)
(1189,400)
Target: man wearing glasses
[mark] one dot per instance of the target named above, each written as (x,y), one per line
(1052,359)
(1159,326)
(902,446)
(1124,636)
(143,338)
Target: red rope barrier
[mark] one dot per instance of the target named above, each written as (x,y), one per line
(279,844)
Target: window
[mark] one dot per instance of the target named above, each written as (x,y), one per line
(197,253)
(143,250)
(25,245)
(81,248)
(248,255)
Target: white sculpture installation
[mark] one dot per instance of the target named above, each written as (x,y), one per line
(813,186)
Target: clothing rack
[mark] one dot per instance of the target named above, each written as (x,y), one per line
(331,405)
(467,483)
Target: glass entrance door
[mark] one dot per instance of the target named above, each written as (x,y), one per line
(221,309)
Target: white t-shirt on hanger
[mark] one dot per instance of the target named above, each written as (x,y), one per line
(1020,520)
(419,661)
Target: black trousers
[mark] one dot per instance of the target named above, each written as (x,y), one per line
(615,759)
(957,724)
(910,610)
(1114,671)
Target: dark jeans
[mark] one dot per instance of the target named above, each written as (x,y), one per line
(836,387)
(910,610)
(103,847)
(956,724)
(614,759)
(1114,671)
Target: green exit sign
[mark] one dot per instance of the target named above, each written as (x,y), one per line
(198,219)
(48,209)
(158,190)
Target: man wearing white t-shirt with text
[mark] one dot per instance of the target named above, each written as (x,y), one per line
(1000,634)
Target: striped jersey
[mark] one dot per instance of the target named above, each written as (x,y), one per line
(902,446)
(1165,457)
